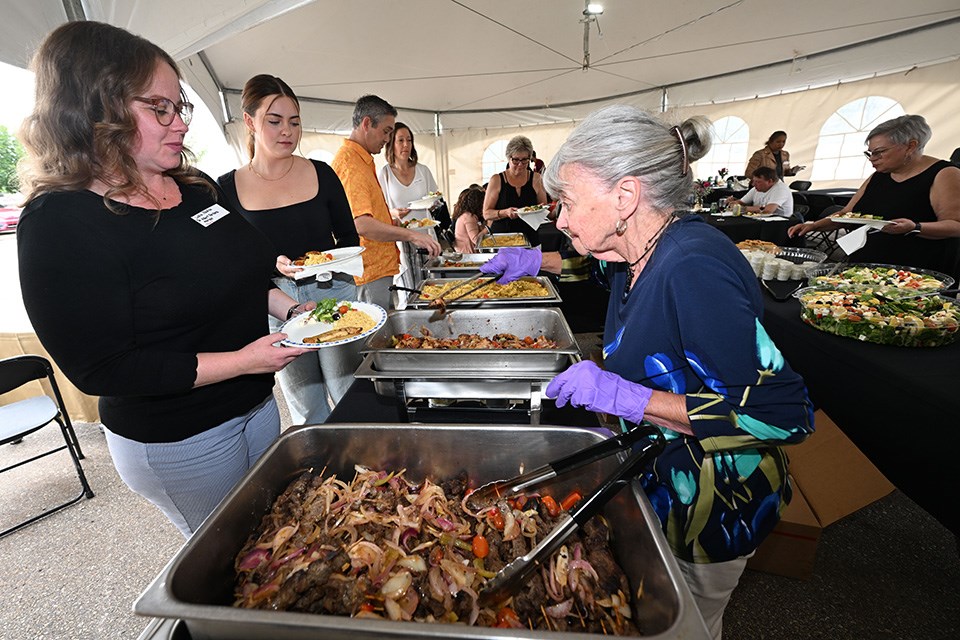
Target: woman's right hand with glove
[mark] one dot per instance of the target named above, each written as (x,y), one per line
(512,263)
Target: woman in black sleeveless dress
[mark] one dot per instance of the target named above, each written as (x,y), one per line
(917,193)
(516,187)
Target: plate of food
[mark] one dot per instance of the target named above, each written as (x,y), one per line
(333,322)
(419,224)
(426,201)
(758,245)
(534,216)
(327,258)
(861,219)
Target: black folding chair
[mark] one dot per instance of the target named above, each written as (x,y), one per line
(825,241)
(21,418)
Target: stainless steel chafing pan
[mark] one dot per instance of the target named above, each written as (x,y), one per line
(197,584)
(485,322)
(441,267)
(552,297)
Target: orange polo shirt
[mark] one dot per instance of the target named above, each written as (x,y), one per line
(354,165)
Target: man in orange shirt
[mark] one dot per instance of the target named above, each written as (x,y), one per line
(373,120)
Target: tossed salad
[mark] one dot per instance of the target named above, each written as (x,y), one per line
(886,280)
(329,310)
(917,322)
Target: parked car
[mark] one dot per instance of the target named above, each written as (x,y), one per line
(9,217)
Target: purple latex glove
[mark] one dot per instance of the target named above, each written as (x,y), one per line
(587,385)
(513,263)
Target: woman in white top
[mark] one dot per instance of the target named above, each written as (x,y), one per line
(404,180)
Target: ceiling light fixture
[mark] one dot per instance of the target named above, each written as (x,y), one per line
(591,13)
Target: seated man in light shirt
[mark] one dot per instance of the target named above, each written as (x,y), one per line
(769,195)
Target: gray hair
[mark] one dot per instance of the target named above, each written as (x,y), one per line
(373,107)
(519,144)
(904,129)
(620,140)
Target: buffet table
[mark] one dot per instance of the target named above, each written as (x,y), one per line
(740,228)
(895,403)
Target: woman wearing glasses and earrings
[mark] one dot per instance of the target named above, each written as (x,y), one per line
(514,188)
(917,193)
(144,288)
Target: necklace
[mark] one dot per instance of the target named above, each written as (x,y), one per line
(258,174)
(651,243)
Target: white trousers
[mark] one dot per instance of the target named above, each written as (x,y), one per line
(712,585)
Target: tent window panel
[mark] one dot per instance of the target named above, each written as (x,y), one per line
(839,153)
(494,160)
(731,136)
(824,169)
(849,168)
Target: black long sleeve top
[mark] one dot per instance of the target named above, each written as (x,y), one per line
(124,303)
(319,224)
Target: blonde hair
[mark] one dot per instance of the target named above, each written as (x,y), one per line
(82,127)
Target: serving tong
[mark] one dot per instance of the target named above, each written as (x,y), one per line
(512,576)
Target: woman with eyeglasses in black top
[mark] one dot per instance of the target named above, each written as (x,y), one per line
(513,189)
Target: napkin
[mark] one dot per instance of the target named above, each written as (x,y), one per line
(353,267)
(854,240)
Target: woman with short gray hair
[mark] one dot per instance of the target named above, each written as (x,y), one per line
(918,194)
(684,347)
(513,189)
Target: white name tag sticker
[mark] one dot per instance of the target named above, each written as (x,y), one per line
(210,215)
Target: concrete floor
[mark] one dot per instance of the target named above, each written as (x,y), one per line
(887,571)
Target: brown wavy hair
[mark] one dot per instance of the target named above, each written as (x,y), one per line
(469,202)
(255,91)
(83,127)
(390,153)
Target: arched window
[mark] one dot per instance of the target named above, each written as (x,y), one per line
(731,135)
(494,159)
(839,154)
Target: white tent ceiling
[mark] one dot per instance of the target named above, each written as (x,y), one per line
(492,63)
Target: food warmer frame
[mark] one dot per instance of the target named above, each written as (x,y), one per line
(196,586)
(493,376)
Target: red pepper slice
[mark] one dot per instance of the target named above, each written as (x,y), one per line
(573,498)
(496,519)
(551,505)
(481,548)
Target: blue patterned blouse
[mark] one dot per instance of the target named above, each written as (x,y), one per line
(691,325)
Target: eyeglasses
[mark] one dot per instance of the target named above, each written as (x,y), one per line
(166,111)
(520,160)
(876,153)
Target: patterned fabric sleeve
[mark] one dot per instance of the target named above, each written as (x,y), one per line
(749,396)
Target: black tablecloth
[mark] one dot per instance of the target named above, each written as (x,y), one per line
(739,228)
(361,403)
(895,403)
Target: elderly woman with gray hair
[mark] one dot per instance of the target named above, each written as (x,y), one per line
(917,193)
(684,347)
(513,189)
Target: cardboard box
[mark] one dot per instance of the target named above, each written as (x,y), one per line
(831,479)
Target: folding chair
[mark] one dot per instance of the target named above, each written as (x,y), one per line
(21,418)
(825,241)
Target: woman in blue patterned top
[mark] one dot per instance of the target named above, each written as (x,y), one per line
(684,346)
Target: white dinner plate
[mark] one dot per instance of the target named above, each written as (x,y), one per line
(339,255)
(877,224)
(430,224)
(423,203)
(534,218)
(301,327)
